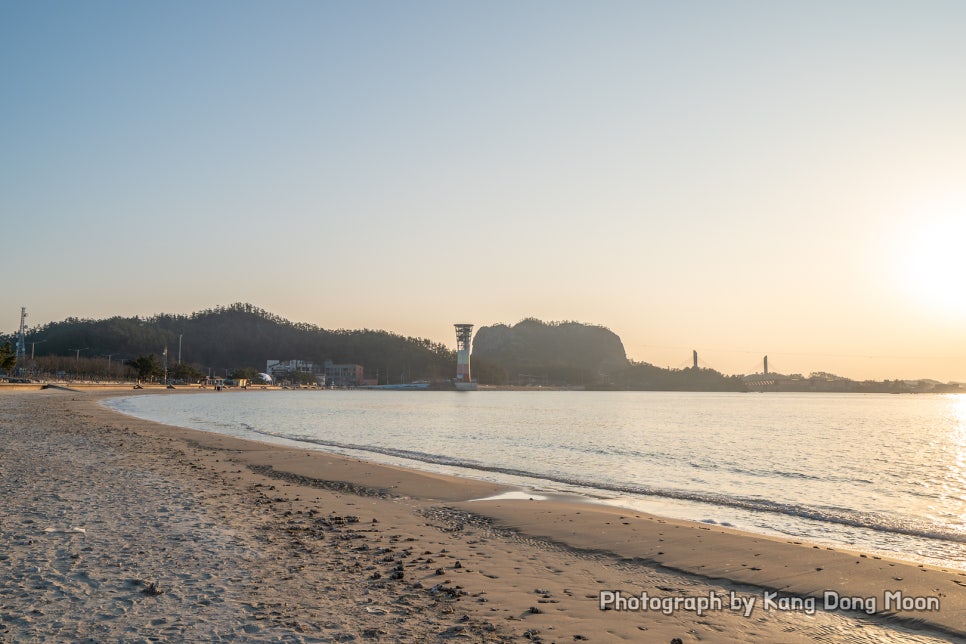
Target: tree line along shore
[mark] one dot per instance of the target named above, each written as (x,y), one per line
(236,341)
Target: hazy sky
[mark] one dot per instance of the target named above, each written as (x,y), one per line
(740,178)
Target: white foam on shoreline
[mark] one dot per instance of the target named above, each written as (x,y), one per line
(515,495)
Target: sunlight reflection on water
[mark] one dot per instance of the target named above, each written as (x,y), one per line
(881,473)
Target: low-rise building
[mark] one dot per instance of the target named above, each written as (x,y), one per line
(343,375)
(328,374)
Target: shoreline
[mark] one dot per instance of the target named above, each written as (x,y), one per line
(612,548)
(104,386)
(921,547)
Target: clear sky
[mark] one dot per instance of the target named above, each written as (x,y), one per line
(741,178)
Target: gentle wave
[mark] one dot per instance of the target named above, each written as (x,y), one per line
(841,516)
(881,474)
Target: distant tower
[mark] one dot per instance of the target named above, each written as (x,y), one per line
(464,333)
(695,359)
(22,337)
(766,365)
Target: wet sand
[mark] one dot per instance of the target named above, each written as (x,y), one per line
(113,528)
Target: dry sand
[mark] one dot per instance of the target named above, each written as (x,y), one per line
(118,529)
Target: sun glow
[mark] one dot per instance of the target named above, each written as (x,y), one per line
(934,266)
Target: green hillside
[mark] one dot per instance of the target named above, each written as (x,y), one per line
(228,339)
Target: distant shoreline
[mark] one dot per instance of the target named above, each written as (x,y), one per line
(115,386)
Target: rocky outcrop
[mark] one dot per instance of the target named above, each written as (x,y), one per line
(556,352)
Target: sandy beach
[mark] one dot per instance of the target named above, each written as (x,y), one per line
(118,529)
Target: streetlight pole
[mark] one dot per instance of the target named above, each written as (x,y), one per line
(77,357)
(32,344)
(109,365)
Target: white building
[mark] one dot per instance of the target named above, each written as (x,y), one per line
(283,369)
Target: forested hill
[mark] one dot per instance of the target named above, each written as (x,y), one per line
(242,336)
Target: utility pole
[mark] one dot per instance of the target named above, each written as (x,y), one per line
(109,365)
(180,335)
(165,364)
(77,357)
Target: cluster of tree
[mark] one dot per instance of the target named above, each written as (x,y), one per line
(225,340)
(8,357)
(824,382)
(641,376)
(150,367)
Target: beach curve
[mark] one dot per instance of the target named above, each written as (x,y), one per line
(351,548)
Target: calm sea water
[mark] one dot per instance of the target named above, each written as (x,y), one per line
(878,473)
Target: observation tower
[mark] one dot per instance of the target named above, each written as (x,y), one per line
(21,350)
(464,333)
